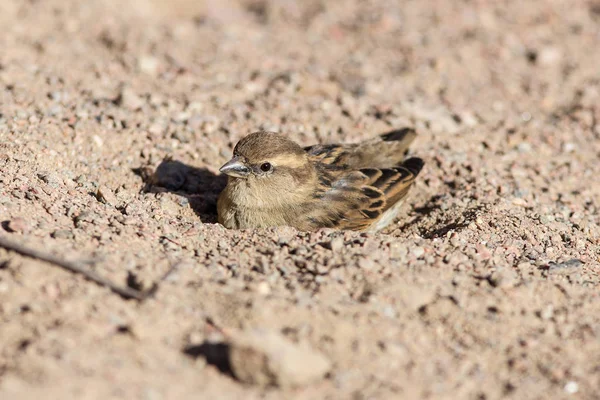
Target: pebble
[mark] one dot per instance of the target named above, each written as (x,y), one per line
(84,216)
(267,358)
(263,288)
(106,196)
(570,264)
(63,234)
(97,140)
(337,244)
(389,312)
(546,219)
(547,312)
(148,65)
(571,387)
(418,251)
(366,264)
(524,147)
(19,194)
(168,206)
(132,209)
(51,179)
(549,56)
(129,99)
(18,225)
(503,277)
(157,128)
(569,147)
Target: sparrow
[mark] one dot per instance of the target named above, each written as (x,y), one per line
(273,181)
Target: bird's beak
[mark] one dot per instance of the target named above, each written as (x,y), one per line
(236,168)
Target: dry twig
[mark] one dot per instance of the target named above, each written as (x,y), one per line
(79,268)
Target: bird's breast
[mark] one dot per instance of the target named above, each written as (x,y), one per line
(241,210)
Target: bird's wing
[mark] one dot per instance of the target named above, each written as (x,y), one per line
(359,198)
(384,151)
(333,156)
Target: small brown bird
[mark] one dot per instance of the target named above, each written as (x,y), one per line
(273,181)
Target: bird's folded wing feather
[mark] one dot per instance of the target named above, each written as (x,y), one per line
(335,156)
(384,151)
(358,198)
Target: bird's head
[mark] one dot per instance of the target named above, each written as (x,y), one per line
(265,155)
(269,160)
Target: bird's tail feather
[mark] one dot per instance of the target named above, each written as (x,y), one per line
(414,165)
(404,135)
(386,150)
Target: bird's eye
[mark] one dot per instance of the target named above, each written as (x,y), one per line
(266,167)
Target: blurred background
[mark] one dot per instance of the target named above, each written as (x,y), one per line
(441,64)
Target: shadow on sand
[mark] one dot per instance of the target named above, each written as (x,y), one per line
(200,186)
(216,354)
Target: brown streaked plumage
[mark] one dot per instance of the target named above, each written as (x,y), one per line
(273,181)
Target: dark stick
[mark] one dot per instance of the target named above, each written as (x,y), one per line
(125,292)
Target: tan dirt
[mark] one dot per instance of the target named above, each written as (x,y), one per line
(115,117)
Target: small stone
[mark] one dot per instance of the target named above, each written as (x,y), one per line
(148,65)
(157,129)
(132,209)
(84,217)
(524,147)
(547,312)
(106,196)
(195,106)
(389,312)
(544,219)
(210,125)
(51,179)
(418,251)
(19,194)
(97,140)
(366,264)
(56,96)
(182,135)
(503,277)
(571,387)
(469,119)
(181,117)
(183,201)
(483,251)
(337,244)
(63,234)
(269,359)
(129,99)
(55,111)
(18,225)
(284,234)
(105,236)
(263,288)
(569,264)
(549,56)
(168,206)
(569,147)
(526,116)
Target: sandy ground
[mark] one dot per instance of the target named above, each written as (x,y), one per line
(115,117)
